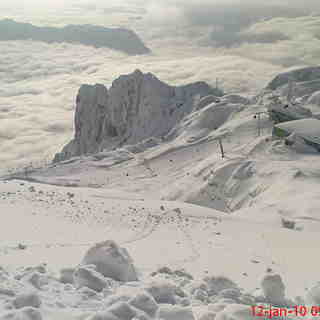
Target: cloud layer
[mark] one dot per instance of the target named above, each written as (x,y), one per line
(39,81)
(37,95)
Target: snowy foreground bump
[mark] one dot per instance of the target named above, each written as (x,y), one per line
(111,261)
(87,294)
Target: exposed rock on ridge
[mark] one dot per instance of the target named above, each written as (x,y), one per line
(297,75)
(136,107)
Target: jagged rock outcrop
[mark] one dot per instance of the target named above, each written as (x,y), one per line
(292,95)
(136,107)
(300,89)
(115,38)
(298,75)
(281,112)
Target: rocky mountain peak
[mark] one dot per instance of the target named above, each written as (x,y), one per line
(136,106)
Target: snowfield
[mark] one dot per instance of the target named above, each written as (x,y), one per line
(165,228)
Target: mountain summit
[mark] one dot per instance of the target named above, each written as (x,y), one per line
(136,107)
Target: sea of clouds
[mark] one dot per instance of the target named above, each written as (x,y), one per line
(39,81)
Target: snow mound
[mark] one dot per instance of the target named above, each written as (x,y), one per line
(122,310)
(306,128)
(208,315)
(169,312)
(111,261)
(162,290)
(66,275)
(27,313)
(274,289)
(201,123)
(217,284)
(230,293)
(127,301)
(235,312)
(297,143)
(86,276)
(145,302)
(102,316)
(27,300)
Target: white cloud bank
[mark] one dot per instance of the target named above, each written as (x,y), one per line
(39,82)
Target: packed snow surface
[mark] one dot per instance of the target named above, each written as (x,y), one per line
(214,218)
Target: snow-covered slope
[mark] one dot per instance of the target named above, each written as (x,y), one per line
(172,203)
(58,225)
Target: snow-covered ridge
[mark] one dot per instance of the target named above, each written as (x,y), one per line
(297,75)
(171,215)
(136,107)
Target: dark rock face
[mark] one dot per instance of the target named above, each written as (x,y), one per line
(289,95)
(280,113)
(299,75)
(136,107)
(115,38)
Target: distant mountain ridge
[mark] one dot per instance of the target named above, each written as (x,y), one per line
(97,36)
